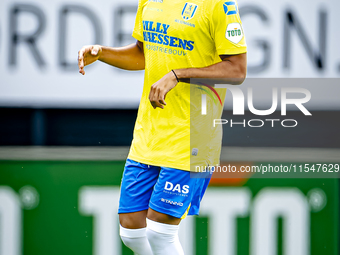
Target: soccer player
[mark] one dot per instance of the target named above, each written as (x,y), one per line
(176,40)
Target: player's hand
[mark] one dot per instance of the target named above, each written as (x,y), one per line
(160,89)
(87,55)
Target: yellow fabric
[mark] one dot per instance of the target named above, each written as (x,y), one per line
(186,213)
(179,34)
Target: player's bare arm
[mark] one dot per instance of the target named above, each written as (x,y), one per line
(232,70)
(130,57)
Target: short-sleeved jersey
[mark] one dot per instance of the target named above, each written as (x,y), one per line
(178,34)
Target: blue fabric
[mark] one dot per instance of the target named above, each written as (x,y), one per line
(165,190)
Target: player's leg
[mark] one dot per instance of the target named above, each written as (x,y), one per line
(162,233)
(175,194)
(133,232)
(162,218)
(133,220)
(136,189)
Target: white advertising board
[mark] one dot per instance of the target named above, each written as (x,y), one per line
(39,41)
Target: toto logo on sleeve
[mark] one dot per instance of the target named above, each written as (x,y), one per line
(234,32)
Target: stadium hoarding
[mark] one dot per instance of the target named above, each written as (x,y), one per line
(39,41)
(69,207)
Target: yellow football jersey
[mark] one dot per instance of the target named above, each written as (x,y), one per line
(179,34)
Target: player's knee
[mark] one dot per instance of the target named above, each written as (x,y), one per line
(158,233)
(126,237)
(132,237)
(128,241)
(163,238)
(156,238)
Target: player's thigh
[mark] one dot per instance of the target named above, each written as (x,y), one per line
(162,217)
(173,195)
(136,189)
(133,220)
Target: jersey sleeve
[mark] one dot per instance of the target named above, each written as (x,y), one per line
(138,28)
(226,28)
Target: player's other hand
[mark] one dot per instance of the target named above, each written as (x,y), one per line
(160,89)
(87,55)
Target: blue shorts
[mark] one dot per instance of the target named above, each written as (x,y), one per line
(165,190)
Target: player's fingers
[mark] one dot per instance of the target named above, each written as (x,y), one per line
(157,104)
(82,71)
(81,55)
(153,103)
(162,98)
(153,93)
(95,50)
(80,58)
(151,96)
(157,98)
(83,65)
(82,52)
(162,102)
(81,61)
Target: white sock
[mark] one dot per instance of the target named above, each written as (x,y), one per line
(163,238)
(136,240)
